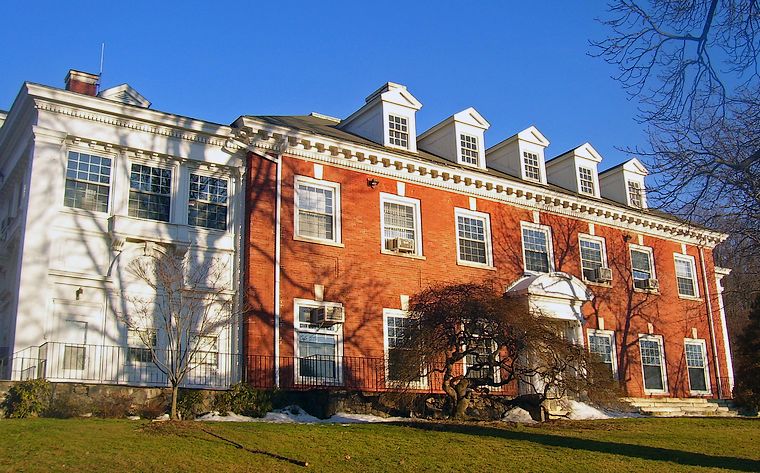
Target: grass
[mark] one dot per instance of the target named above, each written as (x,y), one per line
(615,445)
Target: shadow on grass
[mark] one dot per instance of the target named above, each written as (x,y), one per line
(613,448)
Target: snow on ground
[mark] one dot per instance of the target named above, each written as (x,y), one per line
(583,411)
(295,415)
(519,415)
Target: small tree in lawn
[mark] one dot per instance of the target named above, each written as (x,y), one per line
(500,343)
(747,390)
(188,305)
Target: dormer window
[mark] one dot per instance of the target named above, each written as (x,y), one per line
(635,194)
(469,149)
(532,168)
(398,131)
(586,180)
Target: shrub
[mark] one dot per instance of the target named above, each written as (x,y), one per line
(152,408)
(66,405)
(244,400)
(112,404)
(190,403)
(26,398)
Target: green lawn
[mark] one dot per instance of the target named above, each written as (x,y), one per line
(614,445)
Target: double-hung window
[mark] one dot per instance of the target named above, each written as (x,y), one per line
(642,267)
(397,327)
(586,180)
(468,147)
(532,166)
(317,346)
(696,363)
(317,210)
(635,194)
(592,256)
(400,220)
(150,192)
(686,276)
(398,131)
(602,344)
(207,205)
(88,182)
(75,349)
(473,238)
(652,364)
(206,351)
(139,343)
(537,252)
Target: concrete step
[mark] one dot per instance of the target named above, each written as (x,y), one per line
(684,407)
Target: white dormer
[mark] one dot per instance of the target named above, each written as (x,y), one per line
(459,139)
(521,155)
(624,183)
(124,93)
(576,170)
(387,118)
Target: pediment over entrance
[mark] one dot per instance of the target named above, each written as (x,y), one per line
(557,295)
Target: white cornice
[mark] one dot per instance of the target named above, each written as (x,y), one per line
(520,194)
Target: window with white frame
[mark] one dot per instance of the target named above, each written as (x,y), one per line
(592,256)
(150,191)
(602,344)
(635,194)
(75,349)
(88,182)
(139,343)
(536,248)
(207,204)
(398,131)
(397,327)
(468,146)
(317,346)
(652,363)
(586,180)
(401,224)
(686,276)
(696,363)
(206,353)
(473,238)
(532,166)
(317,209)
(642,267)
(478,365)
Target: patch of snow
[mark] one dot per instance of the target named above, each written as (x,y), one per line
(519,415)
(295,415)
(161,418)
(583,411)
(133,417)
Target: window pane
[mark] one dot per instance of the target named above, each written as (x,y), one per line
(399,222)
(207,206)
(73,357)
(532,168)
(469,148)
(535,243)
(317,355)
(591,258)
(398,134)
(88,181)
(586,179)
(685,277)
(472,239)
(641,265)
(150,193)
(651,362)
(316,212)
(634,194)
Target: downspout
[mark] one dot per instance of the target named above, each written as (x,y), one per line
(710,320)
(277,269)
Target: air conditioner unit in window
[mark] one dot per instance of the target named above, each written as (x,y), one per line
(651,284)
(603,274)
(327,315)
(402,245)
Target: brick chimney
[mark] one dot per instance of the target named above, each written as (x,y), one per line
(82,82)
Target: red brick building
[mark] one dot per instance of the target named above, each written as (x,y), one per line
(348,219)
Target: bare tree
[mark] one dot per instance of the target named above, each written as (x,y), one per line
(481,341)
(186,307)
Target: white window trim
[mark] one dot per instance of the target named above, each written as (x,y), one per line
(477,163)
(600,240)
(142,346)
(337,230)
(549,243)
(642,196)
(160,163)
(541,170)
(693,262)
(594,184)
(663,366)
(708,384)
(605,333)
(297,303)
(221,176)
(487,228)
(111,199)
(652,265)
(387,128)
(496,371)
(387,313)
(415,203)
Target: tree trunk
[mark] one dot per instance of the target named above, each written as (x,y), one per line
(461,407)
(175,394)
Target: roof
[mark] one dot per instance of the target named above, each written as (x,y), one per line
(328,128)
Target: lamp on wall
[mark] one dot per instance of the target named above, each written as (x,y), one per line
(626,237)
(79,293)
(372,182)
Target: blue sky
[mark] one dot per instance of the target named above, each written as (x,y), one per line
(517,63)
